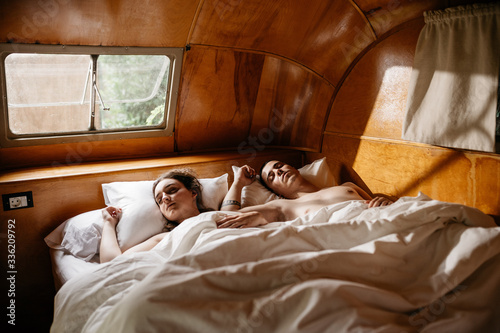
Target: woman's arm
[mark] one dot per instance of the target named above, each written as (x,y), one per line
(232,200)
(109,247)
(147,244)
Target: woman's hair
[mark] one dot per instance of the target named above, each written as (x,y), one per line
(188,178)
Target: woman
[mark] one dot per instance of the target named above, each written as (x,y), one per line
(178,195)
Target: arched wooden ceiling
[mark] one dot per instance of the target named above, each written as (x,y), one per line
(257,72)
(287,58)
(324,36)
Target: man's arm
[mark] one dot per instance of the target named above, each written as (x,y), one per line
(376,201)
(232,200)
(358,189)
(254,216)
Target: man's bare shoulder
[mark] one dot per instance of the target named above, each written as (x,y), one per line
(334,194)
(336,189)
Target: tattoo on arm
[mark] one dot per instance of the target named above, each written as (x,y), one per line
(230,203)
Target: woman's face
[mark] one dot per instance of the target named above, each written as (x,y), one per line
(176,202)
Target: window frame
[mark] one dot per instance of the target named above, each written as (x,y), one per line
(166,128)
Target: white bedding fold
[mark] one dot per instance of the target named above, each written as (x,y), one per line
(343,268)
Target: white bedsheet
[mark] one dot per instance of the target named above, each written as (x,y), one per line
(417,265)
(66,266)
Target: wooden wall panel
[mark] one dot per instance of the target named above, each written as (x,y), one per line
(372,99)
(387,14)
(487,179)
(98,22)
(291,107)
(404,169)
(325,36)
(235,99)
(78,153)
(217,100)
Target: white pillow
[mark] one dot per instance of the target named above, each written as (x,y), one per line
(141,218)
(79,235)
(317,173)
(214,190)
(255,193)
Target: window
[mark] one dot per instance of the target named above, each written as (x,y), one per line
(56,94)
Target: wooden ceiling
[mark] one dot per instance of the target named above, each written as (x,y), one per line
(257,72)
(323,36)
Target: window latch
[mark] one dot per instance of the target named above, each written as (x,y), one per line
(100,98)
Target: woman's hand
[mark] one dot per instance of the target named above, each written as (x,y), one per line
(378,201)
(242,220)
(245,176)
(111,215)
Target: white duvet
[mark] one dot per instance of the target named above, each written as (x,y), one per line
(417,265)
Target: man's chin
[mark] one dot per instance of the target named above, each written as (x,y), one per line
(290,180)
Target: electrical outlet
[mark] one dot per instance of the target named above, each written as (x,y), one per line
(17,200)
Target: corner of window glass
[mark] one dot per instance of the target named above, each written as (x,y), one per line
(59,94)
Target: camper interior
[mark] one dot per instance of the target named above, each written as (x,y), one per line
(100,97)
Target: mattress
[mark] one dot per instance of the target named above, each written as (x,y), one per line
(66,266)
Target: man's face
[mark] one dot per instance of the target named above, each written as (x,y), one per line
(282,178)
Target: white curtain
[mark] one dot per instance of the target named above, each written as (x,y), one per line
(452,97)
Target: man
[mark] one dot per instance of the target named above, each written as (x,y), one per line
(300,197)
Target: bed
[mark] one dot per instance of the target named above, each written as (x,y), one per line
(418,265)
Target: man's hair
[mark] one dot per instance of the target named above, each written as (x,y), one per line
(261,179)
